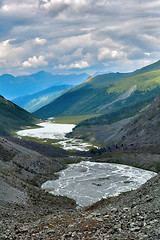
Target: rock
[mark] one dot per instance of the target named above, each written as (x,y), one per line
(114,210)
(96,214)
(126,209)
(99,219)
(135,229)
(153,221)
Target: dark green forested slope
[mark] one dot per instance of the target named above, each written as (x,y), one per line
(107,93)
(13,117)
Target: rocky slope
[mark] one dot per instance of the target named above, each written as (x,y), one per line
(141,132)
(144,129)
(22,171)
(27,212)
(132,141)
(34,163)
(132,215)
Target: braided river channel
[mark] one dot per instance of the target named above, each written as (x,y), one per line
(88,182)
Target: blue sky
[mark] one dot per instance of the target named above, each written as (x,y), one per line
(73,36)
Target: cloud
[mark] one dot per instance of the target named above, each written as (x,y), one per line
(79,65)
(105,53)
(107,35)
(147,53)
(35,62)
(10,54)
(55,7)
(18,8)
(40,41)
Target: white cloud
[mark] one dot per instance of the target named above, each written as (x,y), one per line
(66,32)
(19,8)
(40,41)
(106,53)
(61,66)
(147,53)
(78,65)
(35,62)
(10,54)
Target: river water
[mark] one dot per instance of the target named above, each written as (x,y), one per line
(55,131)
(87,182)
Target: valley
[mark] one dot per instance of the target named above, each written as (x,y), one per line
(107,131)
(79,120)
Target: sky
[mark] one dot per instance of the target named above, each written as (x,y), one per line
(75,36)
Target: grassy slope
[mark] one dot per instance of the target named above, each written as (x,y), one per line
(83,98)
(123,109)
(73,119)
(144,82)
(13,117)
(89,97)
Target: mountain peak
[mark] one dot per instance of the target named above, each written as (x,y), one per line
(7,76)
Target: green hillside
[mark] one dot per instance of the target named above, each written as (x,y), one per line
(82,99)
(106,93)
(13,117)
(149,68)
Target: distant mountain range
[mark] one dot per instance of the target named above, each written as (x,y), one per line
(108,93)
(13,117)
(12,87)
(35,101)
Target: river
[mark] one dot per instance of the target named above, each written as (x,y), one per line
(56,131)
(87,182)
